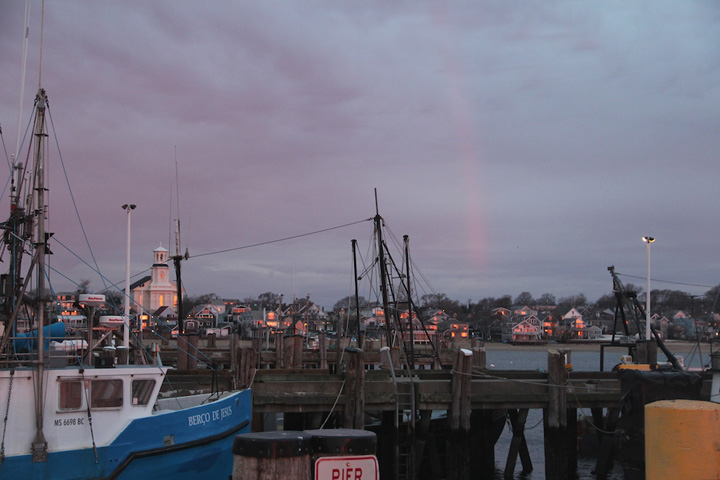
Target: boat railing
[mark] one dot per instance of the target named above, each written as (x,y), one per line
(58,351)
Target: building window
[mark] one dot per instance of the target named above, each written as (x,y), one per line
(161,303)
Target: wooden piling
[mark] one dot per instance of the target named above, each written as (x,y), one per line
(437,365)
(571,440)
(279,350)
(322,348)
(555,418)
(271,456)
(246,367)
(647,352)
(486,428)
(606,428)
(340,442)
(479,358)
(387,442)
(233,342)
(297,351)
(518,444)
(353,414)
(458,448)
(187,352)
(289,351)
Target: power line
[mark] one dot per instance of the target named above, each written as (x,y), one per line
(293,237)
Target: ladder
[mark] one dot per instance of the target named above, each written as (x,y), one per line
(406,415)
(405,419)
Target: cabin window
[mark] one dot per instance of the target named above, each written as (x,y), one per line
(71,395)
(106,393)
(142,391)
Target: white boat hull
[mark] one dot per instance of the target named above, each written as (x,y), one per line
(130,441)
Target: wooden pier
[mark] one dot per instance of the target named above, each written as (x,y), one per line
(429,421)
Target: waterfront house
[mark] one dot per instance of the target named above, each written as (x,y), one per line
(573,314)
(549,322)
(457,331)
(500,330)
(501,312)
(209,315)
(436,317)
(527,331)
(523,311)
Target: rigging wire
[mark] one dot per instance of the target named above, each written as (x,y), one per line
(415,268)
(72,197)
(7,158)
(293,237)
(668,281)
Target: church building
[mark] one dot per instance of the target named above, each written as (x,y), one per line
(155,290)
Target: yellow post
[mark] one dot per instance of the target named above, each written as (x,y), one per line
(681,439)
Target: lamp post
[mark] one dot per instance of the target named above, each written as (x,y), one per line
(648,332)
(126,330)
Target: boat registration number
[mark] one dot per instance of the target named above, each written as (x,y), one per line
(69,422)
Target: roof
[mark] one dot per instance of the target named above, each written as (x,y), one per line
(165,311)
(137,283)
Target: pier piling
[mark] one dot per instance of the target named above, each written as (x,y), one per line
(354,389)
(458,448)
(555,418)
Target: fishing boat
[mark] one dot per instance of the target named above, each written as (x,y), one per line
(72,404)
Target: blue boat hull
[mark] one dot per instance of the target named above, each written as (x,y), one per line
(185,444)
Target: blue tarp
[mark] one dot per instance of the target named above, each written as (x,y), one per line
(26,342)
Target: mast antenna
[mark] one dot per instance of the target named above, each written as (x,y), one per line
(178,257)
(177,199)
(23,69)
(377,209)
(42,35)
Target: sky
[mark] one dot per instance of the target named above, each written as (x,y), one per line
(522,146)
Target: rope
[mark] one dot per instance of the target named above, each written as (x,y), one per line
(334,405)
(588,419)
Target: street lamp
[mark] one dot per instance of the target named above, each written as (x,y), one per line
(126,331)
(648,331)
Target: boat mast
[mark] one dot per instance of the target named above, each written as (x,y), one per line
(357,296)
(383,273)
(411,360)
(177,257)
(178,277)
(39,445)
